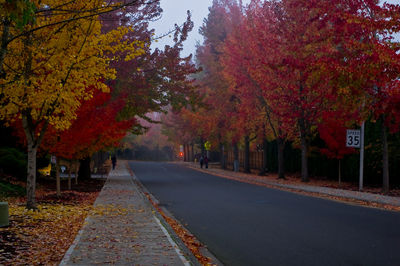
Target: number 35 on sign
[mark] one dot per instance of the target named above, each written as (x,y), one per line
(353,138)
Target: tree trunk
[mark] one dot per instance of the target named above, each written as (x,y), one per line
(33,144)
(304,160)
(281,160)
(304,151)
(235,157)
(76,173)
(385,158)
(97,162)
(202,147)
(340,173)
(58,181)
(84,168)
(192,152)
(264,168)
(69,175)
(222,155)
(33,138)
(246,154)
(31,177)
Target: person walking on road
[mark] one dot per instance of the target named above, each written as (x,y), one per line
(206,161)
(201,161)
(114,161)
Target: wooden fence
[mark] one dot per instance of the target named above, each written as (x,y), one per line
(256,159)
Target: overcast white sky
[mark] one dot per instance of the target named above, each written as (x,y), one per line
(175,12)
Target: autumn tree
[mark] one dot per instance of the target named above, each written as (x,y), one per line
(186,127)
(19,13)
(284,67)
(333,131)
(380,62)
(249,54)
(47,71)
(321,50)
(96,128)
(220,113)
(157,78)
(367,68)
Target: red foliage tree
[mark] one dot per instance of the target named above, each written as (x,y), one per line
(291,62)
(251,82)
(369,66)
(333,131)
(97,127)
(220,114)
(286,43)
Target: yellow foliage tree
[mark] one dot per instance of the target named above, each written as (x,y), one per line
(48,71)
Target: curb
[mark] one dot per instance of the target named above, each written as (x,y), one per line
(325,192)
(170,231)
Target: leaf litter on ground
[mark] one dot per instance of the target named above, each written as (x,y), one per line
(42,236)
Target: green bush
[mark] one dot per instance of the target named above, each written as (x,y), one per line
(10,190)
(13,162)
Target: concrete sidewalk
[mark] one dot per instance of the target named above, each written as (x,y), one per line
(341,193)
(123,229)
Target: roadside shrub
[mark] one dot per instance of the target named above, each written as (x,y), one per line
(13,162)
(10,190)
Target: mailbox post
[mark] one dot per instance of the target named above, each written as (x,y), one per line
(4,214)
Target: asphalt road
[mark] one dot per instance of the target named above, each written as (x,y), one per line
(244,224)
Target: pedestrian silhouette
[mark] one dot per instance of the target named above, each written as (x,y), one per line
(201,161)
(206,161)
(114,161)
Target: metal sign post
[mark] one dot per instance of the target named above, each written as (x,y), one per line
(355,139)
(360,187)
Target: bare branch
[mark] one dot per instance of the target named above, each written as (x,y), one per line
(98,11)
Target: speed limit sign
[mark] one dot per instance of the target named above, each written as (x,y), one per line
(353,138)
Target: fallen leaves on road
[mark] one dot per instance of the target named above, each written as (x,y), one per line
(188,239)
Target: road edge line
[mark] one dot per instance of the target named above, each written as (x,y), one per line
(185,251)
(356,201)
(174,245)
